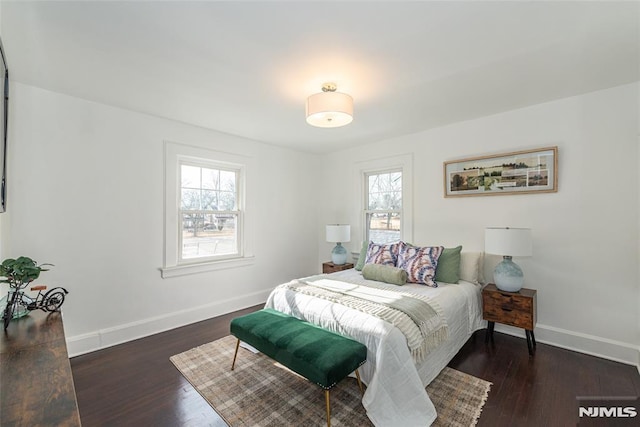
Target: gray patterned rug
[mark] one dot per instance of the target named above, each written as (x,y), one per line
(260,392)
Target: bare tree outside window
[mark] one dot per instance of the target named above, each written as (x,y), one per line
(208,211)
(384,206)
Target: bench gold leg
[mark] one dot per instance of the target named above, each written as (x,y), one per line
(359,382)
(233,364)
(326,398)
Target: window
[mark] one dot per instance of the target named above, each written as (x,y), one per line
(205,222)
(209,212)
(383,206)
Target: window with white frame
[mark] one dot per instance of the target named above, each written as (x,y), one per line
(210,216)
(204,215)
(383,206)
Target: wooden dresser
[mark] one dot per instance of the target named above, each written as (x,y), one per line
(35,374)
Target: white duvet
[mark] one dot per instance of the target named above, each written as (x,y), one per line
(396,394)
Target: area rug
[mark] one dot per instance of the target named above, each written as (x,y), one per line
(260,392)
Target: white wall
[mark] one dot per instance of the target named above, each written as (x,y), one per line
(86,194)
(585,263)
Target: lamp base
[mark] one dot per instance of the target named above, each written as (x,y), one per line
(339,254)
(508,275)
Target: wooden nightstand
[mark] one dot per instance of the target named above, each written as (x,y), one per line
(510,308)
(329,267)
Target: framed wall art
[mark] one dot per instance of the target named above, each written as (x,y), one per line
(529,171)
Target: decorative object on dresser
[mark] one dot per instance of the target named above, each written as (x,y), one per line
(518,172)
(338,234)
(508,242)
(19,273)
(510,308)
(329,267)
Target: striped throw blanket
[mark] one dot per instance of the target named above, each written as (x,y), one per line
(412,314)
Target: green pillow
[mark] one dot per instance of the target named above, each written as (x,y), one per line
(384,273)
(448,268)
(363,256)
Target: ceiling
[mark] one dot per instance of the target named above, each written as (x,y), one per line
(246,68)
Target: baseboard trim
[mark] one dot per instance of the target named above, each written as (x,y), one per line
(104,338)
(85,343)
(605,348)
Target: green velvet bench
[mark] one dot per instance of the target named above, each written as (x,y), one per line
(321,356)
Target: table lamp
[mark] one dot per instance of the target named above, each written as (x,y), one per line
(508,242)
(338,234)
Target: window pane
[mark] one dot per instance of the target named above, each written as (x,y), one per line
(385,191)
(210,200)
(190,176)
(208,189)
(210,178)
(227,201)
(190,199)
(390,200)
(383,227)
(228,181)
(208,235)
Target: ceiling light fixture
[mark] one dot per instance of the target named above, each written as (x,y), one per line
(329,109)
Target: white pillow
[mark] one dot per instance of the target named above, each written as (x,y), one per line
(470,266)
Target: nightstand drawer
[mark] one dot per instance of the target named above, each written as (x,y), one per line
(509,316)
(508,301)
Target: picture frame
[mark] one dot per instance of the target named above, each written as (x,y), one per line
(518,172)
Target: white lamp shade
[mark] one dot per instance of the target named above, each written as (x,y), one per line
(329,109)
(338,233)
(508,241)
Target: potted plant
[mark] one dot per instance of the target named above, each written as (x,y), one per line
(18,273)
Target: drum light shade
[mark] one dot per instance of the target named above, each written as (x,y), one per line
(338,233)
(329,109)
(508,241)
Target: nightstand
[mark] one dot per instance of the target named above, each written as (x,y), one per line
(510,308)
(329,267)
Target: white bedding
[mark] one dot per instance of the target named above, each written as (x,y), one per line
(395,393)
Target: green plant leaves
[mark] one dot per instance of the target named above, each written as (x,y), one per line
(21,271)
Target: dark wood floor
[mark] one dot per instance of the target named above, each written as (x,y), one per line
(135,384)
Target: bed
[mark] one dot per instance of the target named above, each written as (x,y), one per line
(395,379)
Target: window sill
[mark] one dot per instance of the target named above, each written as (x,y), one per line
(183,270)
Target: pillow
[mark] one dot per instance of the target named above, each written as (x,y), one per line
(384,273)
(363,256)
(420,263)
(378,253)
(448,269)
(470,266)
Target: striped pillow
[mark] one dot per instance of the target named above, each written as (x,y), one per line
(386,254)
(420,263)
